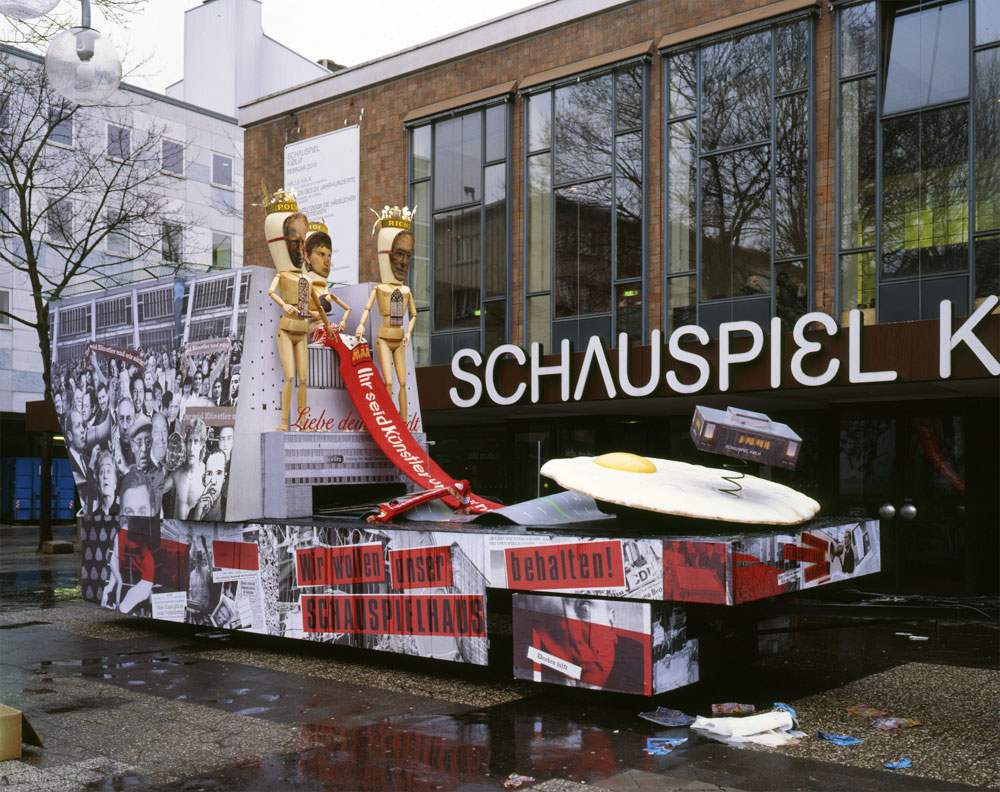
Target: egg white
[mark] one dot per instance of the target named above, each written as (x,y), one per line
(685,490)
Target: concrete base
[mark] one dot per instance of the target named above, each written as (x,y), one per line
(57,546)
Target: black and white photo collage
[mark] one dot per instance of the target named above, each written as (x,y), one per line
(150,433)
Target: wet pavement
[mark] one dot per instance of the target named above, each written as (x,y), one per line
(124,703)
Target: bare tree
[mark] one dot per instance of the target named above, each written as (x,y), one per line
(39,31)
(82,198)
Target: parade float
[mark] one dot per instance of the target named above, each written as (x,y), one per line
(199,420)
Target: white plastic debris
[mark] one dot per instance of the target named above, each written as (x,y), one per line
(768,728)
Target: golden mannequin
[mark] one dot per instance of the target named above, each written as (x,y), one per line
(317,265)
(291,290)
(395,250)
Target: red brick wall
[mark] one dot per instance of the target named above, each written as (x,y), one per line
(384,139)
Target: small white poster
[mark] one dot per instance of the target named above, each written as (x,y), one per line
(325,172)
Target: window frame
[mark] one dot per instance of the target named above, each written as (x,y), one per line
(168,231)
(742,306)
(124,134)
(67,241)
(126,236)
(70,121)
(920,283)
(611,70)
(176,174)
(425,315)
(6,296)
(232,172)
(215,245)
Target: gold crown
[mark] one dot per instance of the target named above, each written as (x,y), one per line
(281,201)
(394,218)
(318,225)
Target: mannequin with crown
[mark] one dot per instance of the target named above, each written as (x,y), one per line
(395,249)
(318,253)
(285,229)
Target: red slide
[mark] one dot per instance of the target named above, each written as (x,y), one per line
(386,426)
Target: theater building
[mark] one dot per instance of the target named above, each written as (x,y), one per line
(627,210)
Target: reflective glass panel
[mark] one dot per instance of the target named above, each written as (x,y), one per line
(420,266)
(736,223)
(791,52)
(790,290)
(495,231)
(857,163)
(628,205)
(857,39)
(420,152)
(628,311)
(458,160)
(681,195)
(791,176)
(683,301)
(683,79)
(456,269)
(583,130)
(539,222)
(582,281)
(421,339)
(987,137)
(987,253)
(736,91)
(494,324)
(539,321)
(925,183)
(927,55)
(987,21)
(496,132)
(628,98)
(857,281)
(540,121)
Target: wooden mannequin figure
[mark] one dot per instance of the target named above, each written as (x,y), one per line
(395,249)
(319,249)
(285,228)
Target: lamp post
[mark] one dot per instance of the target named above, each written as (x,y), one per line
(81,65)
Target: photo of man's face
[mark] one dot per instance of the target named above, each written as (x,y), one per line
(295,239)
(102,399)
(399,258)
(78,431)
(135,502)
(319,261)
(142,443)
(226,440)
(107,476)
(126,414)
(215,474)
(159,448)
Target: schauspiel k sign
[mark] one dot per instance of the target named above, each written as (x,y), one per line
(685,371)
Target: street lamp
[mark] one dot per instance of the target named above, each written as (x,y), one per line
(81,65)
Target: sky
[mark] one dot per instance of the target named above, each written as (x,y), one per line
(346,31)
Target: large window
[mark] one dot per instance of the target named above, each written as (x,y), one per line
(738,198)
(585,182)
(458,182)
(915,122)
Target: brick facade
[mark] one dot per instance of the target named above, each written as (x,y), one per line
(384,138)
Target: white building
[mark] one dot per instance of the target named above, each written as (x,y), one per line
(228,61)
(225,39)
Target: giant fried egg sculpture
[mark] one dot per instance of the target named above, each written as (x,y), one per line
(682,489)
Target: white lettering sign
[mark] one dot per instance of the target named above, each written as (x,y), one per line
(687,362)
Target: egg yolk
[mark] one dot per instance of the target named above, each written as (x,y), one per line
(621,460)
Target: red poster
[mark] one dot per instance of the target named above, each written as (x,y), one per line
(395,614)
(340,566)
(420,567)
(694,571)
(578,565)
(235,555)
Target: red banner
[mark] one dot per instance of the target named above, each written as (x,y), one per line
(579,565)
(395,614)
(933,451)
(420,567)
(340,566)
(386,426)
